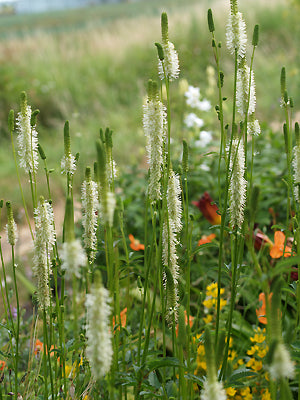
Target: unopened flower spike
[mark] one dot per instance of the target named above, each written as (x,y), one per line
(154,124)
(168,58)
(27,137)
(255,37)
(99,349)
(68,162)
(111,165)
(72,255)
(90,206)
(185,156)
(11,121)
(210,20)
(11,227)
(107,198)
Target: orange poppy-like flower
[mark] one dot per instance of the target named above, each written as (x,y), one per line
(135,243)
(123,315)
(191,321)
(208,208)
(2,365)
(206,239)
(277,249)
(38,348)
(261,311)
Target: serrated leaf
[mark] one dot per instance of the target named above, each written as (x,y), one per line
(240,374)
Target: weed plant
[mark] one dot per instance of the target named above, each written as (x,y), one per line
(179,284)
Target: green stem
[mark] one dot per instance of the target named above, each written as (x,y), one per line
(17,331)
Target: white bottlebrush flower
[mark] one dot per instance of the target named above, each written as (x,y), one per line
(99,350)
(192,121)
(253,126)
(27,140)
(90,206)
(44,224)
(236,36)
(73,257)
(68,164)
(169,242)
(154,123)
(281,366)
(170,62)
(242,90)
(296,166)
(213,390)
(11,226)
(41,271)
(174,202)
(192,96)
(238,184)
(111,205)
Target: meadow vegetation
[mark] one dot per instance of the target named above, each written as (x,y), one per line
(173,269)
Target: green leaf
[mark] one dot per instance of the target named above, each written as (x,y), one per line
(240,374)
(163,362)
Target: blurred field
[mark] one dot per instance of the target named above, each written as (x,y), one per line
(91,67)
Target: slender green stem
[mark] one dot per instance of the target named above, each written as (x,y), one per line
(17,330)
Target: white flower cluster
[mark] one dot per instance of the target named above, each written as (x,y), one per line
(90,206)
(169,256)
(99,350)
(73,257)
(205,137)
(45,238)
(68,164)
(296,166)
(193,99)
(213,391)
(245,105)
(27,141)
(193,121)
(11,229)
(236,37)
(238,184)
(281,367)
(154,123)
(170,64)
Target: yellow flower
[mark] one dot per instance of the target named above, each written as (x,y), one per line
(261,352)
(232,355)
(252,350)
(208,303)
(246,394)
(265,394)
(259,336)
(255,365)
(208,318)
(230,391)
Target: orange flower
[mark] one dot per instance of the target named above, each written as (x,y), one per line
(206,239)
(123,315)
(135,244)
(186,321)
(278,249)
(38,348)
(208,209)
(2,365)
(261,312)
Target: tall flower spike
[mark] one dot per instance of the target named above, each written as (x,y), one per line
(296,163)
(242,90)
(236,37)
(238,184)
(72,255)
(11,227)
(68,162)
(99,350)
(168,64)
(154,123)
(90,205)
(44,239)
(171,227)
(27,138)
